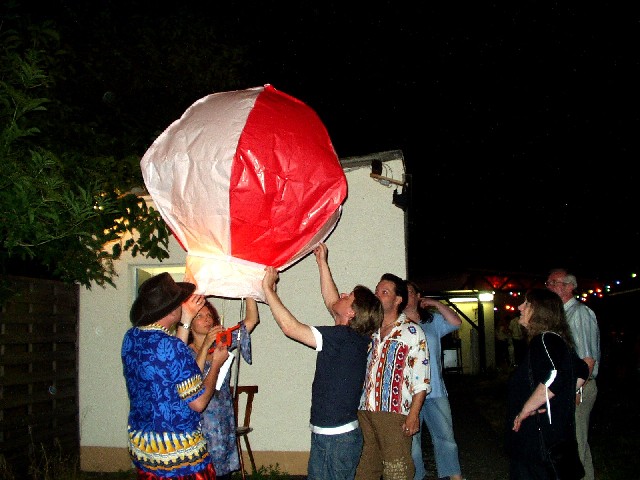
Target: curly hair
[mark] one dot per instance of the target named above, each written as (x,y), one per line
(547,314)
(214,311)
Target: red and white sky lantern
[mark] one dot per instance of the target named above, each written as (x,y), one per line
(245,179)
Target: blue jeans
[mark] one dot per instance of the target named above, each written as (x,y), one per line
(334,457)
(436,413)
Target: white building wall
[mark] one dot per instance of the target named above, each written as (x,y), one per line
(368,241)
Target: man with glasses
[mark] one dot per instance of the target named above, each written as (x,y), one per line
(586,337)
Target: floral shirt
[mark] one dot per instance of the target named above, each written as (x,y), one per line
(162,379)
(398,368)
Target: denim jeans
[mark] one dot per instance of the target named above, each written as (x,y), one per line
(334,457)
(436,413)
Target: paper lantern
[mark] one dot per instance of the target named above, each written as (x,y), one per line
(245,179)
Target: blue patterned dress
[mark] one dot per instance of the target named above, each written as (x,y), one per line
(162,377)
(218,419)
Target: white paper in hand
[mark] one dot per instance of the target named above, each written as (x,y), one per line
(223,371)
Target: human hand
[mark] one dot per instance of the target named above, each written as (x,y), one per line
(429,302)
(410,427)
(210,337)
(517,422)
(270,279)
(321,253)
(219,355)
(191,306)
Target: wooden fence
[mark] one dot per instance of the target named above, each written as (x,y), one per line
(38,372)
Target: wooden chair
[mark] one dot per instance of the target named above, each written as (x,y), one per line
(243,429)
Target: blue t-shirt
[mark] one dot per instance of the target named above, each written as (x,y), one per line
(341,366)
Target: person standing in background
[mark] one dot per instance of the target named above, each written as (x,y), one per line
(540,398)
(435,411)
(396,384)
(218,419)
(586,337)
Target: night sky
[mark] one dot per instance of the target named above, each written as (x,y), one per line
(518,121)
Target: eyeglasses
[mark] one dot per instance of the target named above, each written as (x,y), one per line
(553,283)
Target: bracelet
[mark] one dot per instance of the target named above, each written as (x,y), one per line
(186,326)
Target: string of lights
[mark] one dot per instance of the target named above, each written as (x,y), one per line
(620,286)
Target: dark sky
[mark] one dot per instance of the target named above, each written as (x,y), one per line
(519,121)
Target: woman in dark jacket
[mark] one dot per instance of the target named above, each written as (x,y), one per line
(542,389)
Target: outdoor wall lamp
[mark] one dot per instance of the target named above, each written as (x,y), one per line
(376,174)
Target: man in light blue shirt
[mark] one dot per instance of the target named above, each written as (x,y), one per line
(586,337)
(437,322)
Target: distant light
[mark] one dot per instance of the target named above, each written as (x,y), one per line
(482,297)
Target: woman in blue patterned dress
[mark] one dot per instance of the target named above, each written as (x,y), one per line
(218,419)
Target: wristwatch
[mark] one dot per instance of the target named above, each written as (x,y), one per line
(186,326)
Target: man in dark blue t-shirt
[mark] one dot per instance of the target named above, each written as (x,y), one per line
(336,437)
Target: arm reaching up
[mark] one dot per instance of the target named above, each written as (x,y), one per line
(447,312)
(328,287)
(190,307)
(252,317)
(289,324)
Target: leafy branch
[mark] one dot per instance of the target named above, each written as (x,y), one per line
(59,206)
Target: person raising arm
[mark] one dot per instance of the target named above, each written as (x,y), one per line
(336,437)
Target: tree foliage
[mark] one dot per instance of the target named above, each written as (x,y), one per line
(82,96)
(60,209)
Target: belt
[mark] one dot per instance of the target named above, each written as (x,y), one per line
(347,427)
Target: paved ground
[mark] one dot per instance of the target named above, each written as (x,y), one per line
(477,410)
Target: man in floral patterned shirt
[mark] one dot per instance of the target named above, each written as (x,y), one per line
(396,384)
